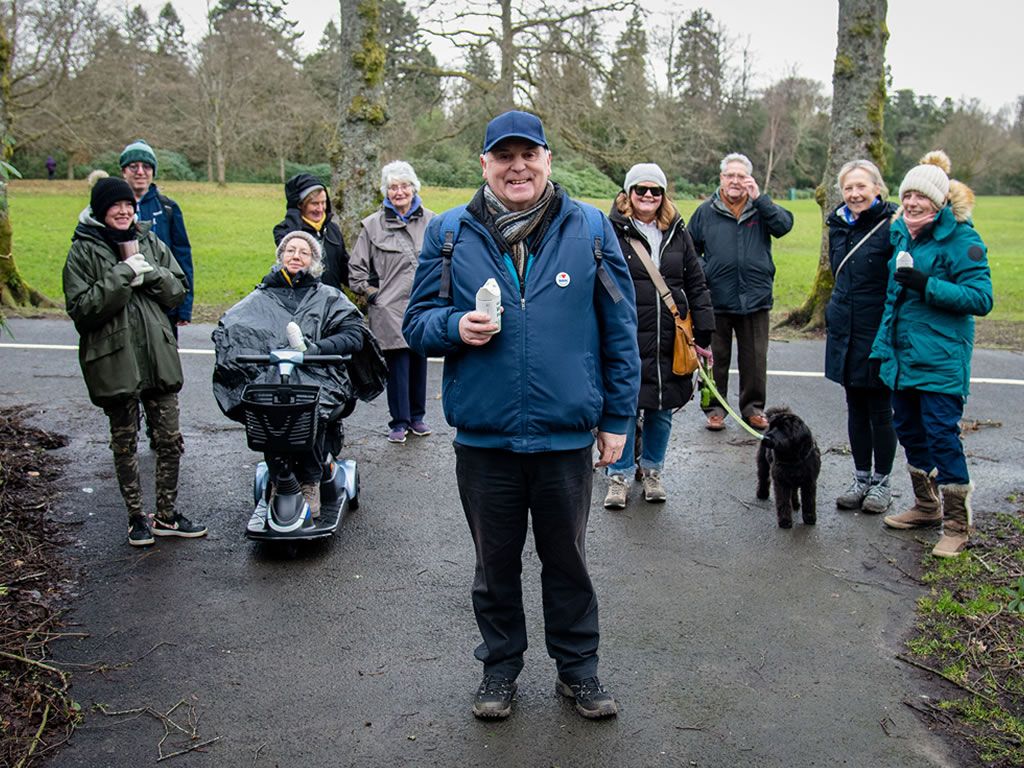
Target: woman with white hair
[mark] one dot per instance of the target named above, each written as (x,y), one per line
(292,292)
(859,251)
(382,268)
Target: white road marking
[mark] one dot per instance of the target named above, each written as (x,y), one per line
(790,374)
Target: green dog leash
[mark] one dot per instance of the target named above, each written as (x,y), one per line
(710,384)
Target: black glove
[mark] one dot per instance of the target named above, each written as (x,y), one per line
(702,338)
(371,298)
(912,278)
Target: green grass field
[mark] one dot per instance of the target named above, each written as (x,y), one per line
(230,229)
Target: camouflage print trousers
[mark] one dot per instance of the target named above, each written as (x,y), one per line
(162,416)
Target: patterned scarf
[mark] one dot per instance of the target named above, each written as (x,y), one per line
(515,226)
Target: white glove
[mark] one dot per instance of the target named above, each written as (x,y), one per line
(139,266)
(295,339)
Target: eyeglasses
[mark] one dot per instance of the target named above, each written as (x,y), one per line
(402,187)
(138,167)
(652,191)
(736,176)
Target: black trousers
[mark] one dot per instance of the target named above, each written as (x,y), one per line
(751,358)
(869,426)
(498,490)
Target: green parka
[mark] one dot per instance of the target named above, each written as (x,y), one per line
(925,342)
(127,345)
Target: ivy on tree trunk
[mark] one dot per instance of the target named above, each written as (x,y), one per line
(355,149)
(15,293)
(858,104)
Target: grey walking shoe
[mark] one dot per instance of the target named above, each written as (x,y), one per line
(654,491)
(878,498)
(853,497)
(592,699)
(618,492)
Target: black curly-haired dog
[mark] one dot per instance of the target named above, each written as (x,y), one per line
(789,455)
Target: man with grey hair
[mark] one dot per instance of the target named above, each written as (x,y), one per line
(732,232)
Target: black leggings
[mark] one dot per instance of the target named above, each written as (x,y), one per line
(869,424)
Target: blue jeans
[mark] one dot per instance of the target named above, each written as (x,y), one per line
(653,445)
(928,426)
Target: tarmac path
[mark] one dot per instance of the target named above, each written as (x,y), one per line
(727,641)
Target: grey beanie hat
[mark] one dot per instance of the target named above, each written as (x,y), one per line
(641,172)
(316,268)
(930,178)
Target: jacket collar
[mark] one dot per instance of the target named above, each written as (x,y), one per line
(940,229)
(718,205)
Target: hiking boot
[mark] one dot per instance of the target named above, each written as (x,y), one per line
(853,496)
(926,511)
(397,435)
(311,493)
(592,700)
(716,422)
(878,498)
(654,491)
(139,534)
(180,526)
(420,428)
(957,519)
(618,492)
(493,700)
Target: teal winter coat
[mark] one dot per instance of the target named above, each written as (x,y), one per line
(925,342)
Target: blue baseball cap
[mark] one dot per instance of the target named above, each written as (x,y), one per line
(514,124)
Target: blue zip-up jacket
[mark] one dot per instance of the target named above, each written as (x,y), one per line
(169,226)
(565,360)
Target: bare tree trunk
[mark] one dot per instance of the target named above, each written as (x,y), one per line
(858,106)
(218,150)
(506,80)
(14,291)
(355,150)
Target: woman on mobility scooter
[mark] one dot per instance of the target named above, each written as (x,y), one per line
(293,309)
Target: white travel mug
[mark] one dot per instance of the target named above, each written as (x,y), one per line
(904,260)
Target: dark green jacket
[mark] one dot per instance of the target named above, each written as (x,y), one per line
(737,254)
(925,342)
(127,346)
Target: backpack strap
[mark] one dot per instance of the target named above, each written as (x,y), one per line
(167,203)
(450,224)
(595,222)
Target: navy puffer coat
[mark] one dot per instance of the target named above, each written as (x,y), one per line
(858,298)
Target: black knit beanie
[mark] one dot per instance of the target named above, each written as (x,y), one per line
(105,193)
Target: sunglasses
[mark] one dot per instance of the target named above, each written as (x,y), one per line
(644,191)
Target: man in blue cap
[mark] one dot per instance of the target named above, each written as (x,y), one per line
(138,167)
(526,396)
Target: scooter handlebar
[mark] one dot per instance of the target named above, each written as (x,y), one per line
(306,359)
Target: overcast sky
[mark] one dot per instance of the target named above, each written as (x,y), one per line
(961,49)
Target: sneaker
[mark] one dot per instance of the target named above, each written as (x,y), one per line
(716,422)
(397,435)
(493,700)
(618,492)
(877,499)
(420,428)
(654,491)
(853,496)
(311,493)
(179,525)
(592,700)
(139,534)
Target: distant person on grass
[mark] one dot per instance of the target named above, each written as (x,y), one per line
(309,210)
(859,251)
(733,230)
(527,399)
(119,282)
(139,168)
(926,340)
(383,264)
